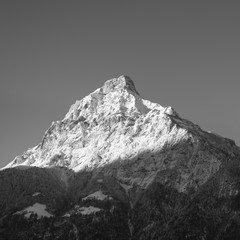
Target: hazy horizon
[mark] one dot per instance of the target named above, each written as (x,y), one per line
(180,54)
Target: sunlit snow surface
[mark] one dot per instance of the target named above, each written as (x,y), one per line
(37,208)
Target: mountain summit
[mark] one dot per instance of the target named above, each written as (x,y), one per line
(123,82)
(132,165)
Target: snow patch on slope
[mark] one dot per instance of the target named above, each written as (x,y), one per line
(89,210)
(82,210)
(37,208)
(36,194)
(99,195)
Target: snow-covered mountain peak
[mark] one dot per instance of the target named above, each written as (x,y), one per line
(108,124)
(114,127)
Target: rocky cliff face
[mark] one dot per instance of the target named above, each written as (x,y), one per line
(162,175)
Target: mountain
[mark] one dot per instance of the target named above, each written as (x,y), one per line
(121,167)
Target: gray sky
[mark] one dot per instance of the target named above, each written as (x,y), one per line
(180,53)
